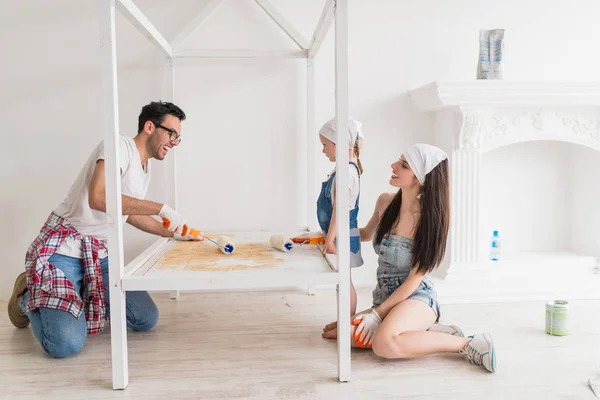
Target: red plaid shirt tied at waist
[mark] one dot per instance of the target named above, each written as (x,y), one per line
(50,288)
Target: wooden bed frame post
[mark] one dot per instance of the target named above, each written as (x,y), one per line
(172,199)
(342,181)
(110,127)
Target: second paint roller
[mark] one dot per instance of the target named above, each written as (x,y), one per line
(279,242)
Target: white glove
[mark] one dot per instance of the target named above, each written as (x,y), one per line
(177,236)
(367,325)
(172,220)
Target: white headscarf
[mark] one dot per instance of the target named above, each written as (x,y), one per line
(329,131)
(423,158)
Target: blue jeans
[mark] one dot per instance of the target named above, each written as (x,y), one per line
(61,334)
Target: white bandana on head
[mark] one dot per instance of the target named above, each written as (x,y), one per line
(329,131)
(423,158)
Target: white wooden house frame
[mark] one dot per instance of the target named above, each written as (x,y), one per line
(128,277)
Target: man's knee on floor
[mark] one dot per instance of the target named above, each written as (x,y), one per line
(146,320)
(65,342)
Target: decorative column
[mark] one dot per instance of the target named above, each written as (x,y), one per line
(464,206)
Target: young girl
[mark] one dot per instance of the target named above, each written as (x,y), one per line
(410,229)
(326,213)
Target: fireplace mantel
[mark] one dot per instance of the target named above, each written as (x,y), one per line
(496,93)
(472,118)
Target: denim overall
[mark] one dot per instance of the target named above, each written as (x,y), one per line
(395,253)
(325,210)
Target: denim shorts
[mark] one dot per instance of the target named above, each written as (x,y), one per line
(395,256)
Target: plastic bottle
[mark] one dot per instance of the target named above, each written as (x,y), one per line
(495,247)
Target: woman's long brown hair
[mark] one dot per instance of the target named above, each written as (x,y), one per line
(429,245)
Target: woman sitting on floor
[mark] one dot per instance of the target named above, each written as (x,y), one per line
(410,230)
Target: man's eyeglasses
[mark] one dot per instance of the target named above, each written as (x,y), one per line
(173,136)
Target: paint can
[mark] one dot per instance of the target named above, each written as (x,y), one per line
(557,318)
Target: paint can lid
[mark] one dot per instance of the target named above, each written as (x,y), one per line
(562,304)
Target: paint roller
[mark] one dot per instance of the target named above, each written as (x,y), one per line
(309,238)
(279,242)
(225,243)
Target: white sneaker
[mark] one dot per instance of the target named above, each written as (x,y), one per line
(480,351)
(449,329)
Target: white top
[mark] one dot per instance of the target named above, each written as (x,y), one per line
(135,179)
(354,185)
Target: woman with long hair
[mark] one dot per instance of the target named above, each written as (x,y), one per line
(409,230)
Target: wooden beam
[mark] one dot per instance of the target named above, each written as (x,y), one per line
(196,22)
(311,141)
(110,133)
(130,11)
(342,181)
(198,53)
(283,23)
(138,262)
(172,161)
(325,21)
(154,280)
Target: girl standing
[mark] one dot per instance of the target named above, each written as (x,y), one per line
(326,212)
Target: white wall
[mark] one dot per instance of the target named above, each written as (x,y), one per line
(526,196)
(51,96)
(586,201)
(542,196)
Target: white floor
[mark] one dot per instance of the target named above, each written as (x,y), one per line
(263,345)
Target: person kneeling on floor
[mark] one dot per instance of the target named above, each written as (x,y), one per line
(64,292)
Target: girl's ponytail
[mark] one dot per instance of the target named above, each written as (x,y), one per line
(357,154)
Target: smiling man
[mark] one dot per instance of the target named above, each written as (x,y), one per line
(63,292)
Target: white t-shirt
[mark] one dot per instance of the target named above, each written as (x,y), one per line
(135,179)
(354,184)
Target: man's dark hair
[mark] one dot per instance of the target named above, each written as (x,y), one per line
(157,111)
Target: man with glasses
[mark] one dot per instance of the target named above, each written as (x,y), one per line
(63,292)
